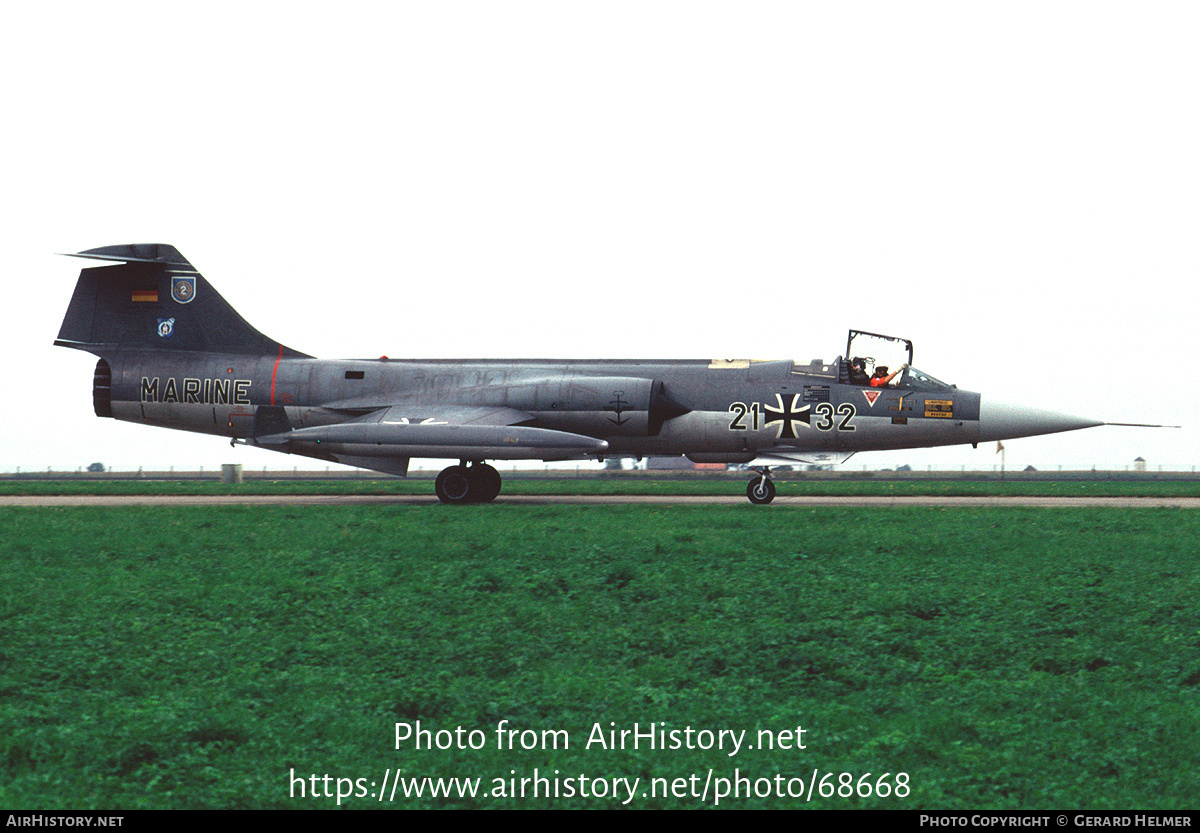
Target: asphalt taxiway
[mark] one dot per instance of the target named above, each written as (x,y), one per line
(600,500)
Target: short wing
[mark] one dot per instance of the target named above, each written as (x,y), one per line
(782,457)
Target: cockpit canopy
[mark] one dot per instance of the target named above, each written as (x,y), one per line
(872,352)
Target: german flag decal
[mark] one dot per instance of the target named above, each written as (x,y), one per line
(145,296)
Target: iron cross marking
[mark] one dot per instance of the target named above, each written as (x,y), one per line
(787,414)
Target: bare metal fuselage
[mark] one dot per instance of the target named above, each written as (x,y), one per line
(734,411)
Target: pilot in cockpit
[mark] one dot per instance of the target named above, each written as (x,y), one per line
(882,378)
(858,372)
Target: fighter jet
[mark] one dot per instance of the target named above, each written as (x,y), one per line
(173,353)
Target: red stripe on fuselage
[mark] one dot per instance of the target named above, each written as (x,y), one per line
(275,373)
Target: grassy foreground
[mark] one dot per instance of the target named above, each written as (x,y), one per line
(222,657)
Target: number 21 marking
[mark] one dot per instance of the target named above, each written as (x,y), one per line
(740,410)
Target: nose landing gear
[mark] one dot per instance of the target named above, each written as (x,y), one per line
(761,490)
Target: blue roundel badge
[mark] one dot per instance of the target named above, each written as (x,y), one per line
(166,326)
(183,290)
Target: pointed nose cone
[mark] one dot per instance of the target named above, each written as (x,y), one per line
(1001,421)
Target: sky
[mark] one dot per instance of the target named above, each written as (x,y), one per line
(1013,186)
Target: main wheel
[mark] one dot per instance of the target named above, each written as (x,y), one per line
(485,483)
(453,485)
(760,490)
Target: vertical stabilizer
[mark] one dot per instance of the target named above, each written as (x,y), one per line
(152,298)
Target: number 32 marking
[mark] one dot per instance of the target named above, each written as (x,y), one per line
(824,413)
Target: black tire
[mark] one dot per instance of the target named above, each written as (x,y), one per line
(453,485)
(485,483)
(761,491)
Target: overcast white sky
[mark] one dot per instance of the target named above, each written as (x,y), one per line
(1014,186)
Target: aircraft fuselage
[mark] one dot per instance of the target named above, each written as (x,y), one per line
(734,410)
(174,353)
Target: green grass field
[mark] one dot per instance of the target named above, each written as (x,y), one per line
(220,657)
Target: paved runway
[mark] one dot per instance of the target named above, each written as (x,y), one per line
(595,500)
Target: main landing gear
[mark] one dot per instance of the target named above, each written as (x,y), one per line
(761,490)
(476,483)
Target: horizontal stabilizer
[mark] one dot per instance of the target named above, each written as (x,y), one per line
(159,253)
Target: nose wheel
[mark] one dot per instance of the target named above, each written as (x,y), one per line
(761,490)
(476,483)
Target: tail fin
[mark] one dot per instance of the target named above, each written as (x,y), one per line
(155,299)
